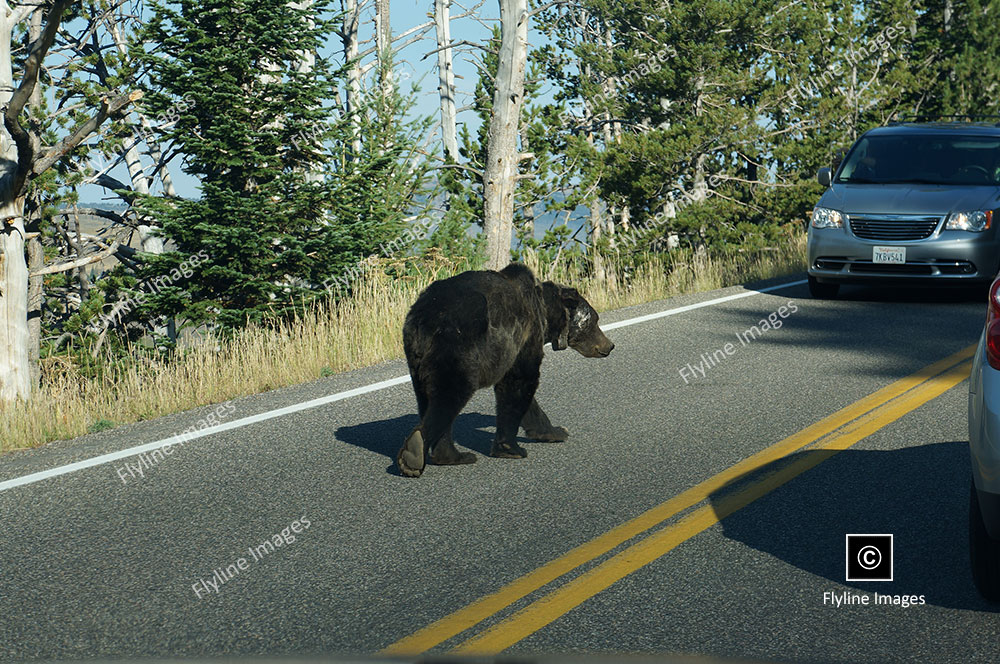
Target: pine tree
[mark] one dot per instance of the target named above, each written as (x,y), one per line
(277,217)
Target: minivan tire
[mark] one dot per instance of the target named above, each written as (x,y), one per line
(984,552)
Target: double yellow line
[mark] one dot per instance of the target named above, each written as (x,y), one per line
(830,435)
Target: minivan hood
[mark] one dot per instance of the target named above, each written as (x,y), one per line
(909,198)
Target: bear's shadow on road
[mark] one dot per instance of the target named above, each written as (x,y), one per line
(386,436)
(920,494)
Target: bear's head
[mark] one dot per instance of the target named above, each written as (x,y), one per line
(572,322)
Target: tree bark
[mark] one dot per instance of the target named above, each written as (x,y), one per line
(446,79)
(383,47)
(36,254)
(151,242)
(500,174)
(15,371)
(349,39)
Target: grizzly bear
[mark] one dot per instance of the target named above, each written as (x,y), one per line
(486,328)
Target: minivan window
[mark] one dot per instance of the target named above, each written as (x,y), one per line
(923,159)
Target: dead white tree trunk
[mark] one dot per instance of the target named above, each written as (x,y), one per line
(36,253)
(305,65)
(383,47)
(148,236)
(446,78)
(156,156)
(349,39)
(307,59)
(500,174)
(15,368)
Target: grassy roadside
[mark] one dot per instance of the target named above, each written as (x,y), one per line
(362,330)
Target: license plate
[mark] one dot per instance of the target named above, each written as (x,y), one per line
(888,254)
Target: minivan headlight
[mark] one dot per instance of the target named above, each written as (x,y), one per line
(827,218)
(975,221)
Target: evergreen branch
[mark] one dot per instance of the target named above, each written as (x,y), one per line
(761,183)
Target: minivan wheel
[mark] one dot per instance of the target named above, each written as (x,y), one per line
(984,552)
(822,291)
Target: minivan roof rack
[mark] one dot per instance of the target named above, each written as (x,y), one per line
(955,117)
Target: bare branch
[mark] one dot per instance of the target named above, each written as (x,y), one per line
(65,146)
(460,43)
(22,12)
(110,215)
(112,183)
(461,167)
(79,262)
(420,29)
(548,5)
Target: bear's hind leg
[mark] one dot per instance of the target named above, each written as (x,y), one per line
(437,431)
(446,397)
(420,391)
(410,458)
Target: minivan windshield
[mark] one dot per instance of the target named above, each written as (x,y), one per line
(919,158)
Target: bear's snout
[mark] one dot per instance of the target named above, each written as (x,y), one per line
(604,349)
(597,345)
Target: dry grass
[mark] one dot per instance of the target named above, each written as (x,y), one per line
(355,332)
(681,272)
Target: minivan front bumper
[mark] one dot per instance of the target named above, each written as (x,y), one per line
(836,255)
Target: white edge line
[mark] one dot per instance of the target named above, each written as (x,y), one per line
(698,305)
(322,401)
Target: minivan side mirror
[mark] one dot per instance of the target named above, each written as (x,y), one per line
(824,176)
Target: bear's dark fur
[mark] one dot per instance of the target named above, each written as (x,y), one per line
(482,329)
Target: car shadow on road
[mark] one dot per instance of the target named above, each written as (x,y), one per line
(919,494)
(897,292)
(925,294)
(386,436)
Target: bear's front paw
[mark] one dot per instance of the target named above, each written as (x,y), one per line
(553,435)
(508,451)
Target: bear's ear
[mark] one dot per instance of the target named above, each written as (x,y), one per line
(570,297)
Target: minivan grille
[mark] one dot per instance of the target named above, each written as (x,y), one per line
(893,230)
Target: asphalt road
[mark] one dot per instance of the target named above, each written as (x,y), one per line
(94,566)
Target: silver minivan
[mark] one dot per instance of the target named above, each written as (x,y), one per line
(911,203)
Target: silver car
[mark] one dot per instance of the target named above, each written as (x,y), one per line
(984,446)
(912,204)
